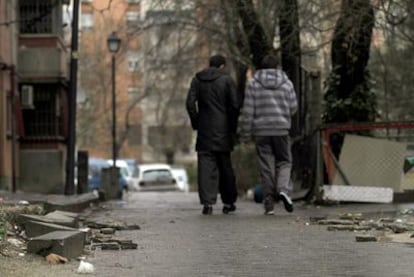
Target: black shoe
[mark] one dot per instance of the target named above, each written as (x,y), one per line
(207,210)
(287,202)
(229,208)
(269,205)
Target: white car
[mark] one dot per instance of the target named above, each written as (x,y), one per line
(180,175)
(156,177)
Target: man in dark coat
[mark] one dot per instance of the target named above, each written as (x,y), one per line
(213,108)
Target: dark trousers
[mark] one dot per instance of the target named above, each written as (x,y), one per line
(275,165)
(215,174)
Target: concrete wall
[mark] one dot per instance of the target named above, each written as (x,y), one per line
(42,171)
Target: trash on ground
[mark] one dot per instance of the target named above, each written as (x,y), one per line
(85,268)
(55,259)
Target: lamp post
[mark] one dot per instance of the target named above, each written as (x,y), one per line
(114,43)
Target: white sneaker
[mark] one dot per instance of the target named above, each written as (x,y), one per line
(287,202)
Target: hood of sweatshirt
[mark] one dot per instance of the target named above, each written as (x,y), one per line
(270,78)
(209,74)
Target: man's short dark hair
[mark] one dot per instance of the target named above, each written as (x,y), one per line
(217,61)
(269,61)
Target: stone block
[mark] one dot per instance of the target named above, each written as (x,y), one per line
(37,228)
(365,238)
(61,220)
(108,231)
(73,203)
(64,213)
(68,244)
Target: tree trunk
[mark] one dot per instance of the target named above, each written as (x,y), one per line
(291,54)
(258,42)
(348,96)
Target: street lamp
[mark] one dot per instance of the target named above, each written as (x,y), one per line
(114,43)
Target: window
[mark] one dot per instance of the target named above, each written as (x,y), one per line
(87,21)
(133,93)
(132,16)
(38,16)
(132,57)
(132,19)
(154,174)
(45,119)
(135,135)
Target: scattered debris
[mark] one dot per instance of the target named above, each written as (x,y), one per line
(85,268)
(55,259)
(351,216)
(348,228)
(365,238)
(336,222)
(117,225)
(384,229)
(108,231)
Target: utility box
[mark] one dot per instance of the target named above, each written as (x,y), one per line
(82,172)
(110,183)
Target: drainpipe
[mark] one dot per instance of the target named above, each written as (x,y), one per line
(12,70)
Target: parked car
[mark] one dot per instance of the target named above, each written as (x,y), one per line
(124,170)
(181,176)
(95,167)
(156,177)
(134,171)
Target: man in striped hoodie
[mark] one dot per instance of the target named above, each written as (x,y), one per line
(269,104)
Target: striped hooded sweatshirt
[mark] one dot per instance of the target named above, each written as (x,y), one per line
(270,102)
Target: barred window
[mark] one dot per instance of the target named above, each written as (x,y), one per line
(36,16)
(135,135)
(44,119)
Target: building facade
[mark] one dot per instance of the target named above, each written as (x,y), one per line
(34,99)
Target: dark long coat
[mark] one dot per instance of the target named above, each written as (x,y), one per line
(213,107)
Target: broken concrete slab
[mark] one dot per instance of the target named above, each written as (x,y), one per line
(68,244)
(38,228)
(317,218)
(365,238)
(62,216)
(73,203)
(336,222)
(114,245)
(108,231)
(351,216)
(399,238)
(117,225)
(61,220)
(63,213)
(348,228)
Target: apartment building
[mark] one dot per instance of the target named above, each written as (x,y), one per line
(34,99)
(98,19)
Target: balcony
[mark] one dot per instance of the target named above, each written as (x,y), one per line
(42,63)
(42,51)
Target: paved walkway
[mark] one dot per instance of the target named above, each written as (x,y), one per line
(176,240)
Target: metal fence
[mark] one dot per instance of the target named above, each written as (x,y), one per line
(366,155)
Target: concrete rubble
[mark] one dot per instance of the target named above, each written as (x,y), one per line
(398,229)
(57,235)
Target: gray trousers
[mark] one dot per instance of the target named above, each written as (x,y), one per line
(215,174)
(275,165)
